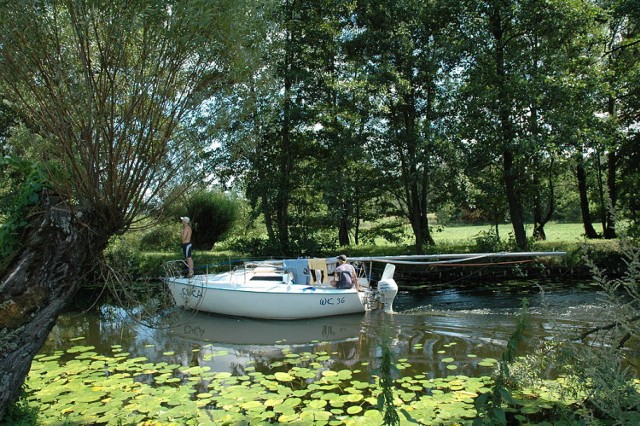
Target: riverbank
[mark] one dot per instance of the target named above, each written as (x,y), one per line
(605,254)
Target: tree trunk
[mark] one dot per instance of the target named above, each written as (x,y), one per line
(268,216)
(343,232)
(609,221)
(513,200)
(286,152)
(540,219)
(538,225)
(507,133)
(610,228)
(581,176)
(356,227)
(37,286)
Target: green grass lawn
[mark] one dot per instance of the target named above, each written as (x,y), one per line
(562,232)
(463,239)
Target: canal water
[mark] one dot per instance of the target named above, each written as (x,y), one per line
(444,331)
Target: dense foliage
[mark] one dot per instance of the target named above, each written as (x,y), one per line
(502,111)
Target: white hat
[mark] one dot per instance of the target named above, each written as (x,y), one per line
(185,219)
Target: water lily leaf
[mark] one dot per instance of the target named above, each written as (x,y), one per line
(204,395)
(50,358)
(272,402)
(291,402)
(288,418)
(354,397)
(488,362)
(267,415)
(360,385)
(464,394)
(252,405)
(305,373)
(283,377)
(355,409)
(311,416)
(317,403)
(301,392)
(83,394)
(345,375)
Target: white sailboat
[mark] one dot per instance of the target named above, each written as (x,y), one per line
(300,288)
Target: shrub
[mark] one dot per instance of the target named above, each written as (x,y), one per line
(213,215)
(163,237)
(123,257)
(489,241)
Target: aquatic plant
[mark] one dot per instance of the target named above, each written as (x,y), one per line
(490,405)
(81,386)
(386,399)
(595,378)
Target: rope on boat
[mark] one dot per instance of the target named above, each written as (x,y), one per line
(513,262)
(435,262)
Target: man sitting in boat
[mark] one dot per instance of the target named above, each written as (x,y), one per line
(345,274)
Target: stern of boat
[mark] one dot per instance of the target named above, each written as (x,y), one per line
(387,287)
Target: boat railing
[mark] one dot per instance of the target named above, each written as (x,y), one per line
(304,276)
(174,268)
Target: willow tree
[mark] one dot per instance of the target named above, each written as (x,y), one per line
(108,84)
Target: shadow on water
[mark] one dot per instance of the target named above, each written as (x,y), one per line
(437,333)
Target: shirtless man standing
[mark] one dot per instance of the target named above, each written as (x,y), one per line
(187,247)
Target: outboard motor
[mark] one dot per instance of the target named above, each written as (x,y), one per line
(387,287)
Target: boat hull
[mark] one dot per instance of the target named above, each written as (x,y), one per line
(278,301)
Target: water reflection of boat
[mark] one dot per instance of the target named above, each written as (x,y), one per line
(205,328)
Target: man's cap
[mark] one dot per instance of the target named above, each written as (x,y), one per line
(342,257)
(185,219)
